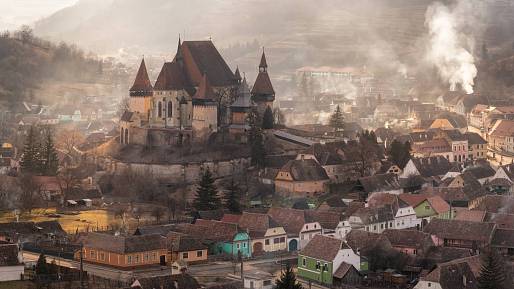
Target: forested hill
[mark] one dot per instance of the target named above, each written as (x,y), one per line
(26,61)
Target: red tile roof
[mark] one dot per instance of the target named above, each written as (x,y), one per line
(204,91)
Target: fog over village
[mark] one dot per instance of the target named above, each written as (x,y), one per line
(257,144)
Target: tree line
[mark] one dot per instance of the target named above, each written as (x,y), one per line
(39,154)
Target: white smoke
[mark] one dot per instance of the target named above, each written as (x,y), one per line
(449,46)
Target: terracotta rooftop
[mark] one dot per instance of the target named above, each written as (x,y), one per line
(142,84)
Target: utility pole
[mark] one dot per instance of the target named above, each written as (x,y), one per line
(240,256)
(82,266)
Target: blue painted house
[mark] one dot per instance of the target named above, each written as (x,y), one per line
(224,238)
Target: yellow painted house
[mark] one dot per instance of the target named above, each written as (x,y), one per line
(265,234)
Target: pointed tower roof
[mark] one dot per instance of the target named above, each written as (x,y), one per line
(179,55)
(237,74)
(204,91)
(263,63)
(262,89)
(142,85)
(243,99)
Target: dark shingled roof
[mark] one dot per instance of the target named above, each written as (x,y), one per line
(363,241)
(381,182)
(183,243)
(127,116)
(125,244)
(432,166)
(460,230)
(305,170)
(9,254)
(474,138)
(142,85)
(408,238)
(173,77)
(256,222)
(375,215)
(327,219)
(343,269)
(291,220)
(323,248)
(503,238)
(203,57)
(262,85)
(450,275)
(439,254)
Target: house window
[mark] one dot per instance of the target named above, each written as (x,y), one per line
(266,282)
(147,257)
(154,256)
(429,284)
(382,226)
(266,242)
(93,254)
(185,255)
(136,259)
(427,207)
(391,224)
(276,240)
(374,227)
(129,259)
(199,254)
(318,265)
(282,239)
(238,246)
(303,262)
(159,109)
(102,256)
(325,267)
(244,245)
(170,109)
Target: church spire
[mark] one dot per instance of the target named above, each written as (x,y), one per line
(237,74)
(263,66)
(179,57)
(142,85)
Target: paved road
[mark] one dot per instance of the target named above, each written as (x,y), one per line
(211,269)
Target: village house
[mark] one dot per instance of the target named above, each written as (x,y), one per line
(428,167)
(434,147)
(501,136)
(404,214)
(478,116)
(477,146)
(460,234)
(221,237)
(483,172)
(458,143)
(503,241)
(186,248)
(300,228)
(374,220)
(428,207)
(322,257)
(412,242)
(11,262)
(265,233)
(380,183)
(124,252)
(301,178)
(456,274)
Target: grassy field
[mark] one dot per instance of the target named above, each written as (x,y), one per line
(70,223)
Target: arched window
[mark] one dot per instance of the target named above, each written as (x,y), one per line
(126,136)
(170,109)
(121,135)
(159,109)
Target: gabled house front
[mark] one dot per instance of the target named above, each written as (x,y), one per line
(300,228)
(265,233)
(322,257)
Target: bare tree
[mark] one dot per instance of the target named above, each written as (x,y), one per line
(67,139)
(69,181)
(30,193)
(158,213)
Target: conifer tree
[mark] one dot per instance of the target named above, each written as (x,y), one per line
(41,265)
(399,153)
(287,280)
(268,121)
(49,156)
(232,198)
(492,274)
(337,120)
(30,159)
(206,194)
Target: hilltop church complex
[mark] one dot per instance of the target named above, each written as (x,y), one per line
(194,96)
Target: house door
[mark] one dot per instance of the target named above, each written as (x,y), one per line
(293,245)
(257,248)
(163,260)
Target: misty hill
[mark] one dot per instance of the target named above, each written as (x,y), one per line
(296,32)
(27,61)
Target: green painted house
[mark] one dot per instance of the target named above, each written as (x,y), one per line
(223,237)
(428,207)
(321,258)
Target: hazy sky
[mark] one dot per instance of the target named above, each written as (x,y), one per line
(18,12)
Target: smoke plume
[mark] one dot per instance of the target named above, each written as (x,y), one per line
(449,46)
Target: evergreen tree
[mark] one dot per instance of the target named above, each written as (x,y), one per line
(49,156)
(42,267)
(399,154)
(256,139)
(492,274)
(30,159)
(337,120)
(206,194)
(287,280)
(268,121)
(232,198)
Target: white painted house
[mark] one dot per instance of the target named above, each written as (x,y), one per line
(11,265)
